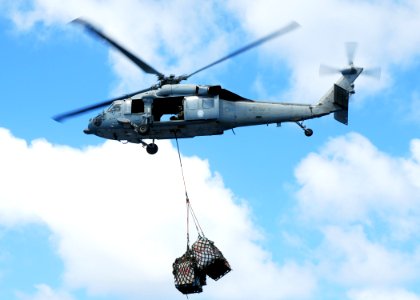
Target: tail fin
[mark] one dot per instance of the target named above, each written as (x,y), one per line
(341,101)
(336,101)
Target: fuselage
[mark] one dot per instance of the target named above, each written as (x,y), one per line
(186,110)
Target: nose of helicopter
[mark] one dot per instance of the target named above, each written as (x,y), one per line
(94,124)
(91,127)
(87,131)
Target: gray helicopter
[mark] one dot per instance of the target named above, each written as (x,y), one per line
(170,109)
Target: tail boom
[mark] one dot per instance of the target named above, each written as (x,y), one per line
(336,100)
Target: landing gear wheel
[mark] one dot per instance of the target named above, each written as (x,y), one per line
(307,131)
(152,148)
(144,128)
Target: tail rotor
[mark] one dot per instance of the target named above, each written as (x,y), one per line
(351,49)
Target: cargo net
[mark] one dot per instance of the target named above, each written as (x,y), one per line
(189,278)
(201,260)
(204,258)
(210,259)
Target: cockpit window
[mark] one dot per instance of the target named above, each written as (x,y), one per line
(114,108)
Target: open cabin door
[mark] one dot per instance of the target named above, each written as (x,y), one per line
(137,106)
(201,108)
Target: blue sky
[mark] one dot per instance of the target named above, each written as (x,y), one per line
(327,217)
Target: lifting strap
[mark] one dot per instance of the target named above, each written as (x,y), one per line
(190,210)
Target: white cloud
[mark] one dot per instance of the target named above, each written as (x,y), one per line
(350,258)
(350,180)
(382,294)
(118,217)
(365,205)
(44,292)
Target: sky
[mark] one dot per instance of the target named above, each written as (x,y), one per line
(333,216)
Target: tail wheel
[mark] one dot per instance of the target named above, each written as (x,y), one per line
(152,148)
(309,132)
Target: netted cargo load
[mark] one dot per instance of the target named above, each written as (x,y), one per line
(210,259)
(189,278)
(201,259)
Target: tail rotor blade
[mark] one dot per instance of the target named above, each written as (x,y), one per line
(351,48)
(328,70)
(373,72)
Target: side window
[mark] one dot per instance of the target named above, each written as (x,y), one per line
(208,103)
(200,108)
(192,103)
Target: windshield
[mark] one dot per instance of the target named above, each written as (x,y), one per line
(114,108)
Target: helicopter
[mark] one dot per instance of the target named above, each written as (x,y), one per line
(171,109)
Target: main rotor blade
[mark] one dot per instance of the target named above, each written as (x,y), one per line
(293,25)
(73,113)
(140,63)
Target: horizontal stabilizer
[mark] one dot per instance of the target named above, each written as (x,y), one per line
(341,100)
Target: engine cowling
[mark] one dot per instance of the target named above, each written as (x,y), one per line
(187,90)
